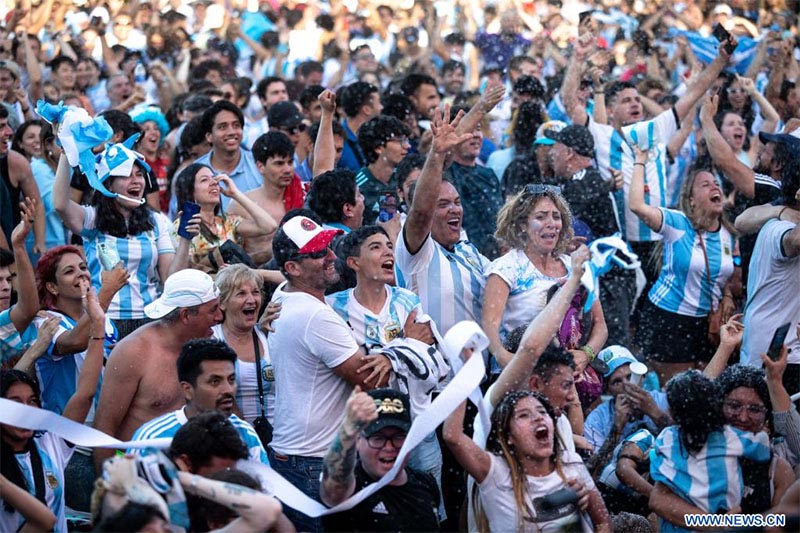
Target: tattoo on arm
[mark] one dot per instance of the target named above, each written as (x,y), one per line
(340,462)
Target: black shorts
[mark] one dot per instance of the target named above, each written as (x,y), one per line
(667,337)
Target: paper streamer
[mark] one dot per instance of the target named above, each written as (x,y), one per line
(460,387)
(604,257)
(35,419)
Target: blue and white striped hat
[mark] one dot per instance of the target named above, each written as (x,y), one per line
(118,160)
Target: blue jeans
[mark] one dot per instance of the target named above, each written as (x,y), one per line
(304,473)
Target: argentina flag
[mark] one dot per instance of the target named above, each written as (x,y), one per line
(706,48)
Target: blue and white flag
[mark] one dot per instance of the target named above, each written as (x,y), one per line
(604,257)
(78,133)
(707,48)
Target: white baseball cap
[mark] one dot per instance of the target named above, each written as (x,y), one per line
(185,288)
(301,235)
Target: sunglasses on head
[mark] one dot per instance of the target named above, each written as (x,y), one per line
(540,188)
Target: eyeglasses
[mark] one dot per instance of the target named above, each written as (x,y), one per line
(734,90)
(539,188)
(377,441)
(754,411)
(401,140)
(364,56)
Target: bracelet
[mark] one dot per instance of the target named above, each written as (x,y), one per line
(637,163)
(780,214)
(599,92)
(97,338)
(588,350)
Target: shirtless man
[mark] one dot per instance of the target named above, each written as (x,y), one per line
(274,156)
(141,381)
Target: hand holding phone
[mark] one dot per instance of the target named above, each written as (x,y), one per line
(776,344)
(723,36)
(189,210)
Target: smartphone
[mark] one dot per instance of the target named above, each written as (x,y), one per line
(108,256)
(722,36)
(95,21)
(583,15)
(559,499)
(775,345)
(188,210)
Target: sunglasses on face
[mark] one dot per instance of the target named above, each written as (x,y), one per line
(313,255)
(734,90)
(300,128)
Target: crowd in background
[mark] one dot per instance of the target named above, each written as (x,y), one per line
(286,207)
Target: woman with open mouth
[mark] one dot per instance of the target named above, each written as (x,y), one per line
(697,272)
(240,301)
(524,480)
(121,228)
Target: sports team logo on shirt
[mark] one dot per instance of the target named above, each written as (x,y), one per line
(392,331)
(268,373)
(727,250)
(372,332)
(52,480)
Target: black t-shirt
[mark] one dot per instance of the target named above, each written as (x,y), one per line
(589,199)
(410,507)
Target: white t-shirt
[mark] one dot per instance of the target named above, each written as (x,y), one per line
(55,454)
(309,341)
(528,287)
(497,497)
(772,298)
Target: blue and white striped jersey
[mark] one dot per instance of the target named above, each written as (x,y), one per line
(12,342)
(139,254)
(449,283)
(55,453)
(371,330)
(613,152)
(168,425)
(58,374)
(683,285)
(712,478)
(643,440)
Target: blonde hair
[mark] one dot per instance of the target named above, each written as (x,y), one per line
(231,277)
(513,218)
(685,202)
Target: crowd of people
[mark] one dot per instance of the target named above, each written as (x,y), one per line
(286,206)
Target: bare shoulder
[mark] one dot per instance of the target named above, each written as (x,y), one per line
(18,164)
(139,345)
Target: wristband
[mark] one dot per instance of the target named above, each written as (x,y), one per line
(97,338)
(637,163)
(780,213)
(588,350)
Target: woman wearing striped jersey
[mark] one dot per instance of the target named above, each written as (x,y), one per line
(697,265)
(698,459)
(125,226)
(36,461)
(240,301)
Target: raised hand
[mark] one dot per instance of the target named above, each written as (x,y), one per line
(492,96)
(444,133)
(359,411)
(579,257)
(93,308)
(27,218)
(747,84)
(584,46)
(226,185)
(709,108)
(327,100)
(731,332)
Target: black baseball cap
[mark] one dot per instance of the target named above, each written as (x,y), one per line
(790,141)
(529,85)
(284,115)
(394,410)
(574,136)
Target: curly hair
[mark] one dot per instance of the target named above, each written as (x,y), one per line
(685,392)
(749,377)
(513,218)
(376,132)
(329,193)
